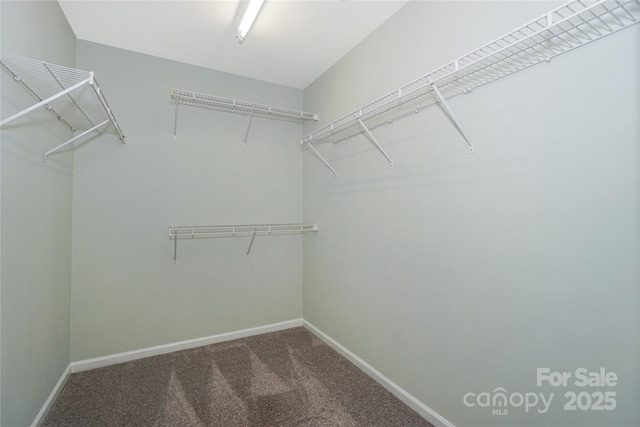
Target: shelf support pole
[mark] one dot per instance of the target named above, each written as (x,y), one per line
(44,102)
(251,243)
(374,141)
(175,123)
(175,249)
(246,135)
(322,159)
(64,144)
(449,112)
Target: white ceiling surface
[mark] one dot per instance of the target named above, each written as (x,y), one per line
(291,43)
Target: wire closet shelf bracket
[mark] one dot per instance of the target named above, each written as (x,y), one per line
(72,96)
(246,108)
(569,26)
(177,232)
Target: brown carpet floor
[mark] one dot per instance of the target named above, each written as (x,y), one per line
(285,378)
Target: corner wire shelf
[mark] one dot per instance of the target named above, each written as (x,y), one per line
(72,96)
(177,232)
(212,102)
(569,26)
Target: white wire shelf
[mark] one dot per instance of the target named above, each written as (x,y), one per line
(212,102)
(177,232)
(569,26)
(72,96)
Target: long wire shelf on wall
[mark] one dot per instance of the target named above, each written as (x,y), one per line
(569,26)
(73,97)
(251,109)
(177,232)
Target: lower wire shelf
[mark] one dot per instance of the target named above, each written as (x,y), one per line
(177,232)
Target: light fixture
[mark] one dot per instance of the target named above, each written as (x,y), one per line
(248,16)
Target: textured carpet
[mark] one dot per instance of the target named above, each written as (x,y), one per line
(285,378)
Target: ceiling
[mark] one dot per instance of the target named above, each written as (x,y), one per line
(291,43)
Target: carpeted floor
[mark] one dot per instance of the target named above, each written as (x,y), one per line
(285,378)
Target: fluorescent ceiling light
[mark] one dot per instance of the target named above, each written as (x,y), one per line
(247,19)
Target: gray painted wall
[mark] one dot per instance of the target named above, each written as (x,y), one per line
(127,292)
(36,221)
(455,273)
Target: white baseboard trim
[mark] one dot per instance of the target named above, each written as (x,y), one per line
(99,362)
(427,413)
(52,397)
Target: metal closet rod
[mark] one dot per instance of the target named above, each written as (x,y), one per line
(49,83)
(177,232)
(567,27)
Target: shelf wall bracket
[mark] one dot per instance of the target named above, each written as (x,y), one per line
(322,159)
(175,251)
(75,138)
(374,141)
(105,105)
(246,134)
(251,243)
(175,123)
(452,116)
